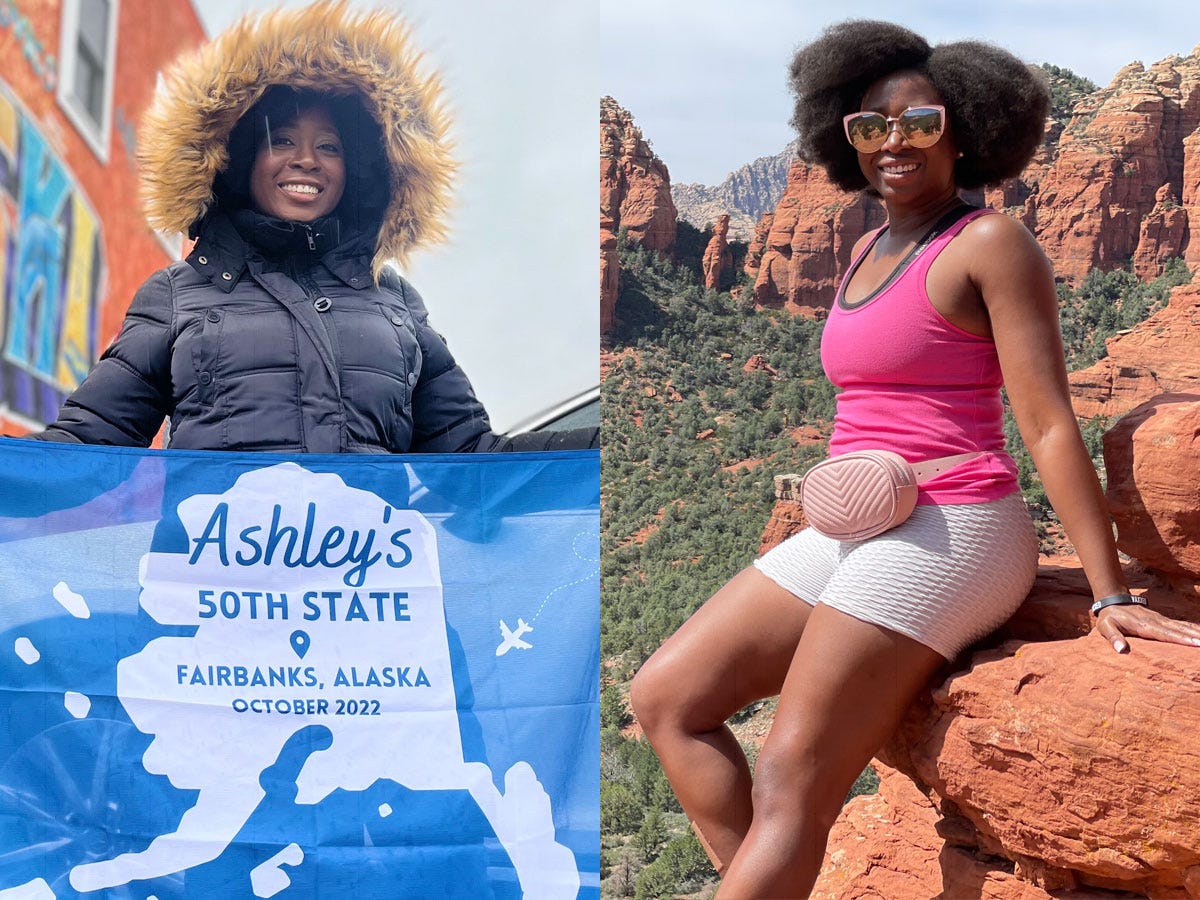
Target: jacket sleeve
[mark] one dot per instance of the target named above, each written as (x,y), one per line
(448,418)
(125,397)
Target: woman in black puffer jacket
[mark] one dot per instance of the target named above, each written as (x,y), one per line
(303,150)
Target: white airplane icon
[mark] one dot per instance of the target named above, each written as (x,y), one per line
(512,639)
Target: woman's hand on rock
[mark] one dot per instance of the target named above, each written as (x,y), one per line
(1116,623)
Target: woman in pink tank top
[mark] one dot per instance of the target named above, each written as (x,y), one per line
(939,308)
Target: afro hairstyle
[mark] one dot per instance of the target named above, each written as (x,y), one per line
(997,104)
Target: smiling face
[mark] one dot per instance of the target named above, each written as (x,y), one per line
(299,171)
(901,173)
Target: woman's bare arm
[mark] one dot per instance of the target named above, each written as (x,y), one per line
(1016,282)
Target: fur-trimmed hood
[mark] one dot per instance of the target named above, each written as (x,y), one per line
(325,47)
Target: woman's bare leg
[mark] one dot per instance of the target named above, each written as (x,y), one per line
(735,649)
(847,689)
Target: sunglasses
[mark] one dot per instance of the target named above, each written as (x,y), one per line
(920,126)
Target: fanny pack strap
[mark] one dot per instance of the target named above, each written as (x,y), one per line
(923,471)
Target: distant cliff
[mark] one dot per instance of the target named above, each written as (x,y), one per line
(744,195)
(635,196)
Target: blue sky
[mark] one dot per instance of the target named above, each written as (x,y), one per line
(515,291)
(705,79)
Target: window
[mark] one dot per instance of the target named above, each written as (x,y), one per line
(88,53)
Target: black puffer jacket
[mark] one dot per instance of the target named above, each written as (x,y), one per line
(315,358)
(280,336)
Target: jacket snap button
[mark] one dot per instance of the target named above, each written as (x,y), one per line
(203,260)
(322,304)
(354,280)
(227,276)
(205,378)
(412,378)
(214,316)
(396,320)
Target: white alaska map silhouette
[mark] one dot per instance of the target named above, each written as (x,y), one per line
(375,606)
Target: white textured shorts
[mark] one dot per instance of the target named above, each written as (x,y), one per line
(946,577)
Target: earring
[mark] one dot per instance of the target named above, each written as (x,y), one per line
(960,154)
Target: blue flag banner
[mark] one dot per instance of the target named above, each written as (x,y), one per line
(229,675)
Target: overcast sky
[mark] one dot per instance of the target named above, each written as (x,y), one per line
(706,80)
(515,291)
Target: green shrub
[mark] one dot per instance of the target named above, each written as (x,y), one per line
(681,868)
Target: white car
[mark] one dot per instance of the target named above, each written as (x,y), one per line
(580,411)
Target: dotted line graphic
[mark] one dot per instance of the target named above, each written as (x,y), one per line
(592,538)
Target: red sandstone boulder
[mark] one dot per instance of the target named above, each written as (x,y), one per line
(1050,766)
(758,363)
(888,846)
(787,517)
(1072,760)
(1153,460)
(1161,354)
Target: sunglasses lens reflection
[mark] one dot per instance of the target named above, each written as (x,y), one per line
(920,126)
(867,131)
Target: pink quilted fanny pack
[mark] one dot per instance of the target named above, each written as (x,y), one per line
(858,495)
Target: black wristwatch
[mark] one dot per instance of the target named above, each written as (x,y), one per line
(1117,600)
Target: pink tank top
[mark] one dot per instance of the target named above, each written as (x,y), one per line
(914,383)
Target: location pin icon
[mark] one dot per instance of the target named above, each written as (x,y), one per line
(300,643)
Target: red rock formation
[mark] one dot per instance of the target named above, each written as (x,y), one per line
(610,276)
(812,233)
(635,195)
(1123,145)
(1162,236)
(758,244)
(1153,460)
(718,259)
(1159,355)
(1191,196)
(635,187)
(758,363)
(787,517)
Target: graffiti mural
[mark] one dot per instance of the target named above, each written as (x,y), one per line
(51,272)
(21,33)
